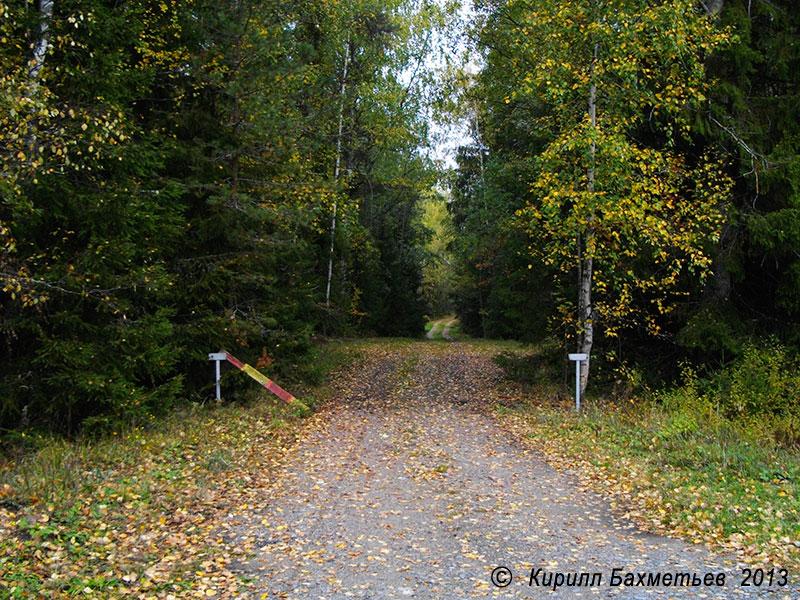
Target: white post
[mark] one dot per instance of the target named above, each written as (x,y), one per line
(578,358)
(217,357)
(216,363)
(577,386)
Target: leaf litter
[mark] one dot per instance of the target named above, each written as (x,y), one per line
(408,486)
(404,485)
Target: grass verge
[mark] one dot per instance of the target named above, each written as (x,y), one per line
(139,514)
(687,473)
(455,332)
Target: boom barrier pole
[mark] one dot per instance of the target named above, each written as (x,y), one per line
(266,382)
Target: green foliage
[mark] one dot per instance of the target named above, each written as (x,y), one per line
(756,394)
(390,276)
(167,185)
(689,257)
(762,383)
(437,268)
(578,136)
(498,292)
(713,333)
(609,199)
(754,119)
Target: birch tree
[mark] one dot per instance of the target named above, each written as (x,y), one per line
(614,200)
(337,165)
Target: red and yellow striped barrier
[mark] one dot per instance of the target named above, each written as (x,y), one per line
(260,378)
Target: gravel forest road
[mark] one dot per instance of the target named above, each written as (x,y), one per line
(406,487)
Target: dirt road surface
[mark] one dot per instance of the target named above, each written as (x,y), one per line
(406,487)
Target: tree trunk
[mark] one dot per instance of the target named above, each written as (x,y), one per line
(37,63)
(586,260)
(336,168)
(40,47)
(714,7)
(586,334)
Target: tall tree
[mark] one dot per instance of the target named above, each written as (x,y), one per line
(614,199)
(754,119)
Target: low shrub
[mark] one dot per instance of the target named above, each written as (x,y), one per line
(757,394)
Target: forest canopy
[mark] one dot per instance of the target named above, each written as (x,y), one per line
(180,177)
(632,182)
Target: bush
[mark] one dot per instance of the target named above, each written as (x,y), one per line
(757,393)
(762,382)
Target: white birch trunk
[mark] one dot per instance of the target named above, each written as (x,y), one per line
(40,47)
(36,64)
(586,260)
(336,169)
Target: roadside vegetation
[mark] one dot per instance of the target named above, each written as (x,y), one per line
(137,513)
(713,460)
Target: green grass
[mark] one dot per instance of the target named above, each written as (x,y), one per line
(134,513)
(455,332)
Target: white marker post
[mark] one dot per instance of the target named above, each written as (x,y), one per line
(217,357)
(578,358)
